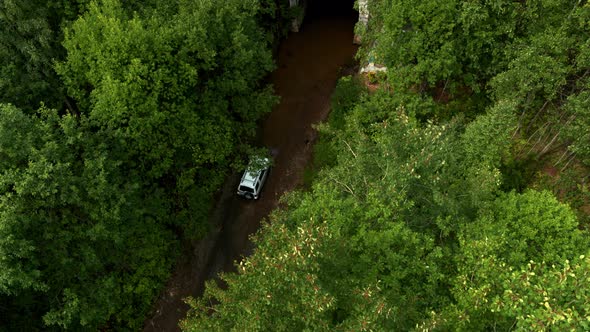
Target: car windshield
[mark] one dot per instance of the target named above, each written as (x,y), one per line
(246,189)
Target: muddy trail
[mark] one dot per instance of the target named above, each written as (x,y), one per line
(309,63)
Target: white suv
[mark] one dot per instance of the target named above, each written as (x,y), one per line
(254,177)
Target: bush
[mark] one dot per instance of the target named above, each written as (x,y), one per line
(346,94)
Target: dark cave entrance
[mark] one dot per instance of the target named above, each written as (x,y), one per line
(319,9)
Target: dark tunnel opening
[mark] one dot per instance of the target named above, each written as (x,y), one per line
(318,9)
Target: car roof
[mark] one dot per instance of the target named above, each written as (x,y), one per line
(250,175)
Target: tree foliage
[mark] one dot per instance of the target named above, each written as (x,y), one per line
(29,42)
(179,94)
(31,36)
(413,211)
(406,225)
(282,279)
(77,230)
(94,200)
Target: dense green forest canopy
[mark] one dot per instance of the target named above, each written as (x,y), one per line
(453,198)
(119,120)
(429,206)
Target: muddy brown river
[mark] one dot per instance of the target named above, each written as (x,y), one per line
(308,65)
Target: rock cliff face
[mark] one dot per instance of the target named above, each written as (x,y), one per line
(296,23)
(363,11)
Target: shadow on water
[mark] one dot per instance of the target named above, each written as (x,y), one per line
(308,65)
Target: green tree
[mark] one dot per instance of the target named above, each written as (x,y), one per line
(547,297)
(454,49)
(79,236)
(534,297)
(29,43)
(460,42)
(515,230)
(31,36)
(413,211)
(392,204)
(529,226)
(278,288)
(546,79)
(578,130)
(168,94)
(177,89)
